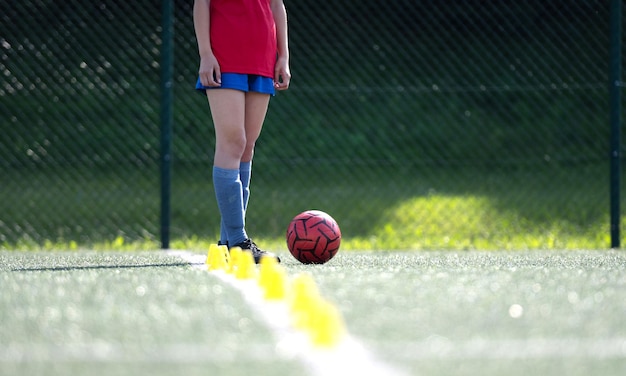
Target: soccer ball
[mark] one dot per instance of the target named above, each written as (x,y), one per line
(313,237)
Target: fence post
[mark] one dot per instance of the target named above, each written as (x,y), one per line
(167,67)
(615,84)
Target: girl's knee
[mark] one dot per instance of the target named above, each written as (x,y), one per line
(231,147)
(248,152)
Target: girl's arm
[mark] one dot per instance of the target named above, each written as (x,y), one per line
(282,74)
(209,71)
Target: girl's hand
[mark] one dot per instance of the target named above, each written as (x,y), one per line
(209,72)
(282,75)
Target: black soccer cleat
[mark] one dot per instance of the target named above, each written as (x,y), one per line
(249,246)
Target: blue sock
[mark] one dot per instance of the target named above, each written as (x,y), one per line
(245,173)
(229,195)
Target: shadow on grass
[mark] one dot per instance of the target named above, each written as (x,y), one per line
(96,267)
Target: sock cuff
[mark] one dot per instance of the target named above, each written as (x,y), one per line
(225,173)
(245,166)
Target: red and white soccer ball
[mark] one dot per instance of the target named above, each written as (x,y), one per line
(313,237)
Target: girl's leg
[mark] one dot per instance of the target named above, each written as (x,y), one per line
(228,109)
(245,173)
(228,112)
(238,119)
(256,109)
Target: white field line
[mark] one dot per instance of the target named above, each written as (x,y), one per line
(349,357)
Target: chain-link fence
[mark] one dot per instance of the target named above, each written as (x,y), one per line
(416,124)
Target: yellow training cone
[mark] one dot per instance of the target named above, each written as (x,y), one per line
(326,325)
(224,249)
(273,281)
(303,291)
(267,261)
(304,299)
(215,258)
(209,254)
(233,261)
(266,270)
(246,268)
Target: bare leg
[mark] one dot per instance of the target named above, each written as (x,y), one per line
(228,109)
(256,109)
(238,118)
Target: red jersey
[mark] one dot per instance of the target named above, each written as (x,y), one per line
(243,36)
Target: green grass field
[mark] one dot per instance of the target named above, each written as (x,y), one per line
(418,313)
(462,209)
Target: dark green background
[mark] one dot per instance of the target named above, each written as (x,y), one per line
(408,96)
